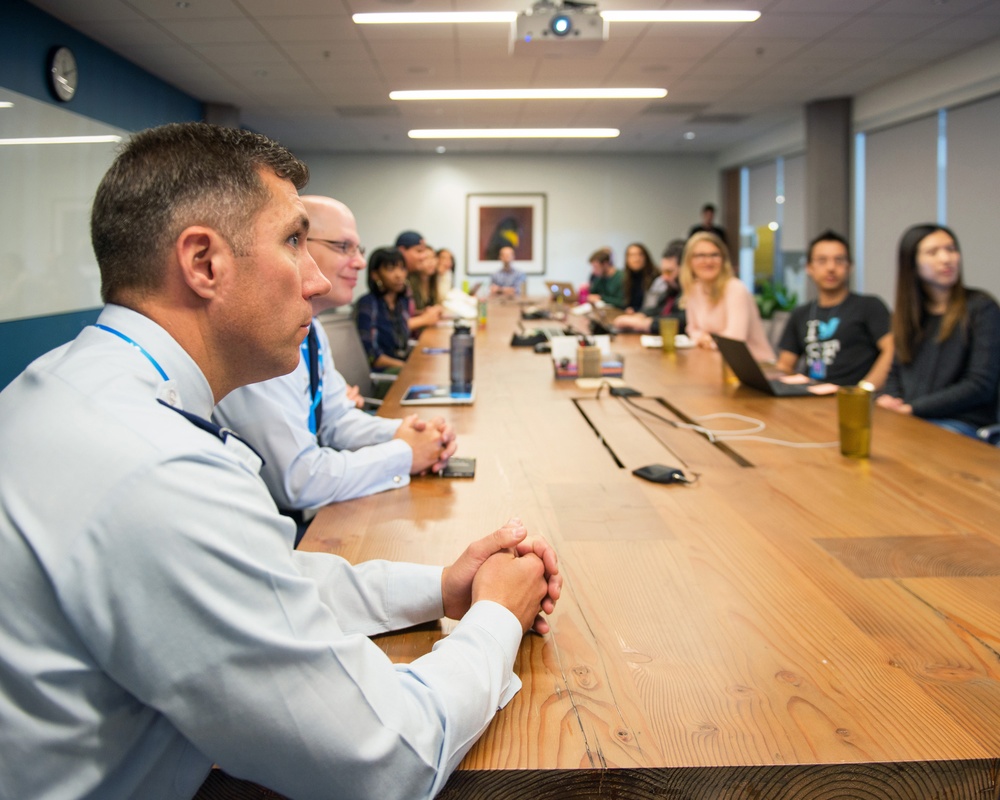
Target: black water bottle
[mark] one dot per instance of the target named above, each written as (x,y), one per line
(462,348)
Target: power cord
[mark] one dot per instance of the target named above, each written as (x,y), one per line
(747,435)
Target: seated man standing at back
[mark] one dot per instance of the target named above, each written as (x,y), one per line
(507,281)
(318,448)
(845,337)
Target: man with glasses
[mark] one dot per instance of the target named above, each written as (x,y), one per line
(845,338)
(318,447)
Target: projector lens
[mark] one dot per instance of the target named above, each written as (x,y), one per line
(561,25)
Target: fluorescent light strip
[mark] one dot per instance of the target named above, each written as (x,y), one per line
(528,94)
(6,104)
(419,17)
(516,133)
(63,140)
(680,16)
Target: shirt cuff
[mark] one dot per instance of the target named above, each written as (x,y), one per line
(505,629)
(415,593)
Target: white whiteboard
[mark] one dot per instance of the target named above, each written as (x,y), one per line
(47,265)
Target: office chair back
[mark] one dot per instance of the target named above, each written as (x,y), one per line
(349,356)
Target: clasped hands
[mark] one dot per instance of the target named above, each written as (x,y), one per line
(506,567)
(433,442)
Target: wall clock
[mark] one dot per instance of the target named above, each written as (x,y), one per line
(63,73)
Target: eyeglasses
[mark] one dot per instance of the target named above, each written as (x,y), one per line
(822,261)
(344,248)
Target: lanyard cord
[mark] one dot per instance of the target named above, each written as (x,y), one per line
(136,345)
(313,356)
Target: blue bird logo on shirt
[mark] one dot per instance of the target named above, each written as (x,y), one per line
(828,329)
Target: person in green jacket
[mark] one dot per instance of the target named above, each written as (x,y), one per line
(606,283)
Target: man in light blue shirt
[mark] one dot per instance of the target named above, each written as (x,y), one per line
(349,454)
(507,281)
(154,618)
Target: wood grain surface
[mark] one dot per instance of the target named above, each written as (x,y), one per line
(792,624)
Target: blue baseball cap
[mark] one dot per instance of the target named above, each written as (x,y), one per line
(409,239)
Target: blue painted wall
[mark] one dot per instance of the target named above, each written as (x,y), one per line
(23,340)
(111,90)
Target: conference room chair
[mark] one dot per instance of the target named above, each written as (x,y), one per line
(350,359)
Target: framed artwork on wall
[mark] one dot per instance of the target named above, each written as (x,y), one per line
(497,220)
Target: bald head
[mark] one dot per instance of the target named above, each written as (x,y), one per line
(332,231)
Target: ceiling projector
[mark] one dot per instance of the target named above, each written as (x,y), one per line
(547,26)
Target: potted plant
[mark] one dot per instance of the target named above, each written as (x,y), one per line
(775,303)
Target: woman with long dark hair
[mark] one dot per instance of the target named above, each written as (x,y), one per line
(662,297)
(640,272)
(382,315)
(947,337)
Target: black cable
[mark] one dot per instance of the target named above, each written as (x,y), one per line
(630,404)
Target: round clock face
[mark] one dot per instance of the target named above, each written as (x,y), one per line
(63,74)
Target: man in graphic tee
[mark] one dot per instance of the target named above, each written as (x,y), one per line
(840,337)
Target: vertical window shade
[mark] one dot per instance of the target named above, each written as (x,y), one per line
(763,183)
(794,236)
(900,190)
(973,178)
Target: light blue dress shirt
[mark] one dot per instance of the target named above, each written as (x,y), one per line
(509,279)
(154,618)
(355,455)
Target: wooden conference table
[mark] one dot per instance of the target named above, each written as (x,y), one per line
(795,624)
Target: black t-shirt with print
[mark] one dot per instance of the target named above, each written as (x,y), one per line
(840,343)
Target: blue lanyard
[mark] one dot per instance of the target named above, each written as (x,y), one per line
(218,431)
(317,395)
(136,345)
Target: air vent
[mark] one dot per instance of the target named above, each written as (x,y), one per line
(367,112)
(720,119)
(676,109)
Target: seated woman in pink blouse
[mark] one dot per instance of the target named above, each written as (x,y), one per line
(716,301)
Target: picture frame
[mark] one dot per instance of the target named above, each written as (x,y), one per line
(495,219)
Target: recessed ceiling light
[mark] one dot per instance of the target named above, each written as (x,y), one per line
(515,133)
(528,94)
(62,140)
(779,199)
(689,135)
(421,17)
(440,149)
(680,16)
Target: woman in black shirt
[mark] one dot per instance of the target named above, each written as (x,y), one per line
(947,337)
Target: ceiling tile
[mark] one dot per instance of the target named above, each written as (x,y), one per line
(73,11)
(194,9)
(214,31)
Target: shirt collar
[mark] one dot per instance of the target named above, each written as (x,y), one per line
(185,378)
